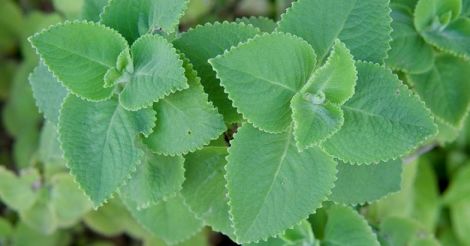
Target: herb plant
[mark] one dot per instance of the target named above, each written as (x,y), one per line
(268,132)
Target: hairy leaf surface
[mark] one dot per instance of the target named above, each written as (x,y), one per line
(18,192)
(99,143)
(79,54)
(263,23)
(363,25)
(158,72)
(137,17)
(262,75)
(204,188)
(48,92)
(205,42)
(445,88)
(276,171)
(366,183)
(382,121)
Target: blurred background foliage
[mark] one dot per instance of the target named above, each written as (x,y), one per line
(41,205)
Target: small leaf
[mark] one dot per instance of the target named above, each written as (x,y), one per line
(187,121)
(445,88)
(262,75)
(205,42)
(366,183)
(204,188)
(99,143)
(48,92)
(265,24)
(382,121)
(258,195)
(157,177)
(346,227)
(409,51)
(315,108)
(79,54)
(18,192)
(136,18)
(363,25)
(170,220)
(405,231)
(301,234)
(426,11)
(92,9)
(41,216)
(68,202)
(158,72)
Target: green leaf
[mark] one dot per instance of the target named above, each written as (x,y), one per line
(301,234)
(49,152)
(445,88)
(5,229)
(204,188)
(92,9)
(99,143)
(79,54)
(68,202)
(366,183)
(257,195)
(265,24)
(11,21)
(346,227)
(459,189)
(205,42)
(157,178)
(19,193)
(404,231)
(187,121)
(363,25)
(41,216)
(382,121)
(459,214)
(439,23)
(135,18)
(170,220)
(70,8)
(262,75)
(315,109)
(24,235)
(409,53)
(158,72)
(48,92)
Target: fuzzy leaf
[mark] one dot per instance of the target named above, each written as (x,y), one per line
(363,25)
(41,216)
(170,220)
(382,121)
(263,23)
(187,121)
(136,18)
(67,200)
(346,227)
(258,195)
(18,192)
(156,178)
(205,42)
(157,73)
(405,231)
(366,183)
(48,92)
(315,109)
(204,188)
(92,9)
(262,75)
(409,51)
(98,140)
(445,88)
(431,12)
(79,54)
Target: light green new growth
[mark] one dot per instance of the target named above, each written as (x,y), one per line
(280,64)
(268,177)
(99,143)
(208,41)
(136,18)
(382,121)
(157,73)
(186,120)
(157,178)
(316,108)
(204,188)
(363,25)
(79,54)
(18,192)
(48,92)
(366,183)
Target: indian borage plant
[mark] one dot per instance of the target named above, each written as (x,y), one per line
(139,106)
